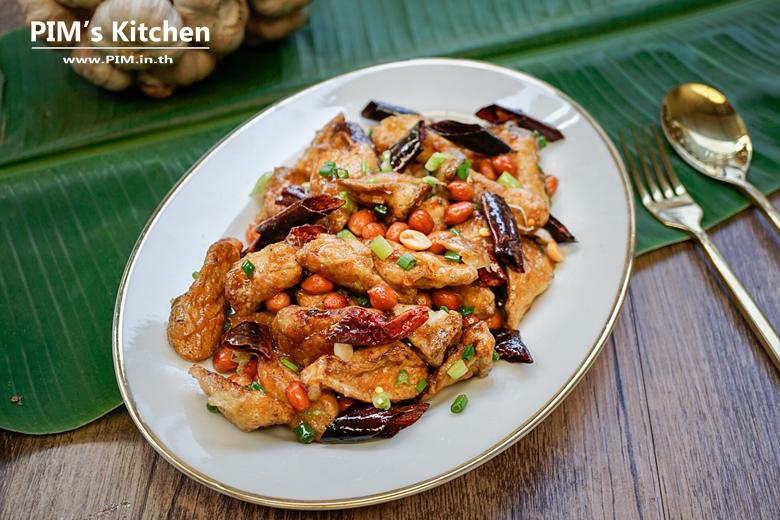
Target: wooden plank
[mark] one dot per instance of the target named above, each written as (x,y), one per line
(713,394)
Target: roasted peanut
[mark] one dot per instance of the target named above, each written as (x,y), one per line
(424,299)
(496,321)
(468,321)
(394,231)
(486,169)
(359,220)
(383,297)
(420,220)
(554,252)
(223,361)
(373,230)
(458,213)
(317,284)
(278,302)
(415,240)
(504,163)
(334,301)
(460,190)
(445,298)
(551,181)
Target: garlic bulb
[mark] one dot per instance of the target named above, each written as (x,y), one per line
(278,8)
(260,28)
(100,74)
(48,11)
(225,19)
(159,82)
(80,4)
(151,13)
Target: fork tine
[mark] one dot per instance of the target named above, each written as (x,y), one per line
(657,196)
(657,169)
(679,189)
(640,187)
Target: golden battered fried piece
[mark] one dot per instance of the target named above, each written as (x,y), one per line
(281,178)
(275,271)
(526,156)
(274,377)
(319,415)
(400,193)
(530,210)
(198,316)
(370,368)
(522,288)
(429,271)
(482,299)
(481,363)
(435,336)
(263,318)
(247,409)
(392,129)
(302,332)
(345,262)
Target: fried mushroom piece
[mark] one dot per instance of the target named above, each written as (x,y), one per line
(430,271)
(400,193)
(368,369)
(441,331)
(275,271)
(482,299)
(281,178)
(198,316)
(522,288)
(530,210)
(480,364)
(345,262)
(247,409)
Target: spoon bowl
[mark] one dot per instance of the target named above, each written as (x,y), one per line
(710,135)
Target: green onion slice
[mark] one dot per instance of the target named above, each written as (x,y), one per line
(468,352)
(455,232)
(444,308)
(363,166)
(350,205)
(195,275)
(255,386)
(406,261)
(381,401)
(463,170)
(458,370)
(305,433)
(261,183)
(306,185)
(381,209)
(342,173)
(289,364)
(381,247)
(248,267)
(345,233)
(430,181)
(496,357)
(452,256)
(421,385)
(507,180)
(227,326)
(459,404)
(326,170)
(212,408)
(542,140)
(436,160)
(466,311)
(372,181)
(364,301)
(402,377)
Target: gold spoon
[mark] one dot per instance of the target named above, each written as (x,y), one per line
(709,134)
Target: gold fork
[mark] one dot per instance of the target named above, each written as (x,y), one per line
(670,203)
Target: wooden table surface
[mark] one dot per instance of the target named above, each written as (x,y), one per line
(678,418)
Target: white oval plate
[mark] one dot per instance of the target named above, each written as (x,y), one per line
(565,328)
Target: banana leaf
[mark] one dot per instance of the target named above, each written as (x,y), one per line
(81,169)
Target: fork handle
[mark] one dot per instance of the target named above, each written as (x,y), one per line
(762,202)
(756,319)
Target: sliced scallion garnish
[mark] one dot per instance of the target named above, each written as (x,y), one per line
(255,386)
(436,160)
(444,308)
(248,267)
(452,256)
(381,247)
(350,205)
(289,364)
(406,261)
(345,233)
(542,140)
(326,170)
(195,275)
(466,311)
(261,183)
(212,408)
(458,369)
(364,301)
(227,326)
(496,357)
(421,385)
(455,232)
(463,170)
(381,401)
(431,181)
(305,433)
(507,180)
(459,404)
(381,209)
(372,181)
(363,166)
(402,377)
(468,353)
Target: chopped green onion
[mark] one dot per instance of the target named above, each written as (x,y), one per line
(261,183)
(430,181)
(540,168)
(458,370)
(370,132)
(477,207)
(463,170)
(342,173)
(351,206)
(173,300)
(444,308)
(227,326)
(306,185)
(408,342)
(402,377)
(542,140)
(406,261)
(507,180)
(381,247)
(496,357)
(305,433)
(289,364)
(452,256)
(326,170)
(455,232)
(212,408)
(386,156)
(468,353)
(363,166)
(372,181)
(421,385)
(466,311)
(380,209)
(364,301)
(255,386)
(248,267)
(385,166)
(345,233)
(381,401)
(436,160)
(459,404)
(195,275)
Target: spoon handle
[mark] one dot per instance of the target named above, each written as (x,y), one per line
(755,317)
(763,203)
